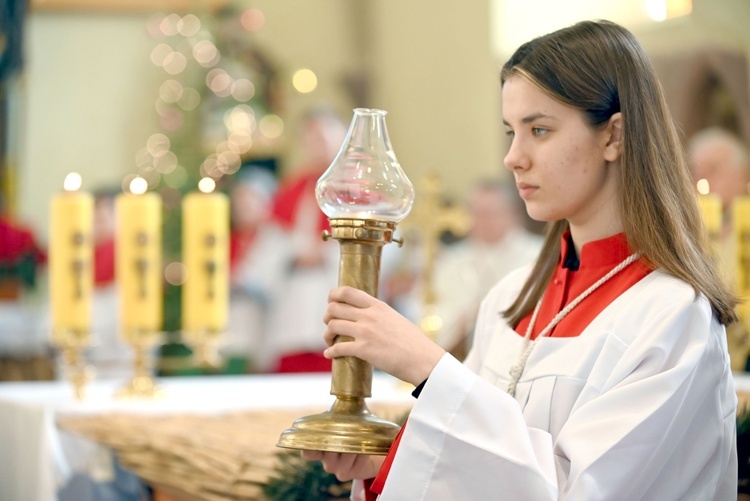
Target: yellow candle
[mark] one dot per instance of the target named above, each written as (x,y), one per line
(205,252)
(710,205)
(741,241)
(138,257)
(71,273)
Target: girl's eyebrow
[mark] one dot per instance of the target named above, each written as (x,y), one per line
(530,118)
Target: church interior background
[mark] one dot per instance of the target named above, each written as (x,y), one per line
(170,93)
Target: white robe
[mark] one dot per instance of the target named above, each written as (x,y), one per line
(641,405)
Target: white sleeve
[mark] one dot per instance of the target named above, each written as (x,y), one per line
(662,426)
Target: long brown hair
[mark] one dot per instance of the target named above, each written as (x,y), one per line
(601,69)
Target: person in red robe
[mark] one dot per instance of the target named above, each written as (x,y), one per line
(313,262)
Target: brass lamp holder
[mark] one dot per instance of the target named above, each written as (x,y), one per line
(73,343)
(142,384)
(348,426)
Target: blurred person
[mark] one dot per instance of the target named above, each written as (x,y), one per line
(465,271)
(110,355)
(259,253)
(294,342)
(721,158)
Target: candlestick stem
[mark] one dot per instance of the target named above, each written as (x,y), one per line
(73,343)
(348,426)
(142,384)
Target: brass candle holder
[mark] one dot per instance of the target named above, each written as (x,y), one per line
(142,384)
(364,193)
(205,345)
(73,343)
(348,426)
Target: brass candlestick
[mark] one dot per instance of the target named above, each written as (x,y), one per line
(364,193)
(73,344)
(205,345)
(348,426)
(142,384)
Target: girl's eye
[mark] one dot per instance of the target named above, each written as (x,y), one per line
(510,133)
(538,131)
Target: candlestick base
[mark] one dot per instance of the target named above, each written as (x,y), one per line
(140,387)
(347,427)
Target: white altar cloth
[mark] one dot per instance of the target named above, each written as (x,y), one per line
(36,458)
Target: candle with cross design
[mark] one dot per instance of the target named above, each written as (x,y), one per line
(205,252)
(138,257)
(70,258)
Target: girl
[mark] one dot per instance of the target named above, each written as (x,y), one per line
(601,372)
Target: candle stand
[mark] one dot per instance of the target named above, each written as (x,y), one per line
(348,426)
(73,344)
(205,345)
(142,384)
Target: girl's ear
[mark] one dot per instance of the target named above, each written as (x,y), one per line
(613,147)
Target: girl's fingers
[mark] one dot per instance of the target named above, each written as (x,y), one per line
(351,296)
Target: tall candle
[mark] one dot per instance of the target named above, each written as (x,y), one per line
(710,205)
(71,273)
(205,252)
(741,241)
(138,257)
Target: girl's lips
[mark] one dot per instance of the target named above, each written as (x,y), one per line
(525,190)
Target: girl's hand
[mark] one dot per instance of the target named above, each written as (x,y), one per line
(346,466)
(381,336)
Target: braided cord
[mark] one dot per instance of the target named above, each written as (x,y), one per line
(517,369)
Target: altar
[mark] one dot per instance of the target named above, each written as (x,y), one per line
(220,428)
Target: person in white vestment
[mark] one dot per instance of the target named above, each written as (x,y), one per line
(601,371)
(259,253)
(466,270)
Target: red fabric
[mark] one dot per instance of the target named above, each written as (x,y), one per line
(379,481)
(290,194)
(369,494)
(307,361)
(17,242)
(240,243)
(104,263)
(597,259)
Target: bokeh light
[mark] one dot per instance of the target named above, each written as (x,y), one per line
(271,126)
(171,91)
(703,187)
(304,81)
(160,53)
(175,63)
(138,185)
(72,181)
(190,99)
(168,25)
(175,273)
(252,19)
(206,53)
(189,25)
(243,89)
(206,185)
(177,178)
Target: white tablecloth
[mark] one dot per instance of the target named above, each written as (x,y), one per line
(36,458)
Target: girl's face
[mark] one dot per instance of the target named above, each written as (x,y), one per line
(562,166)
